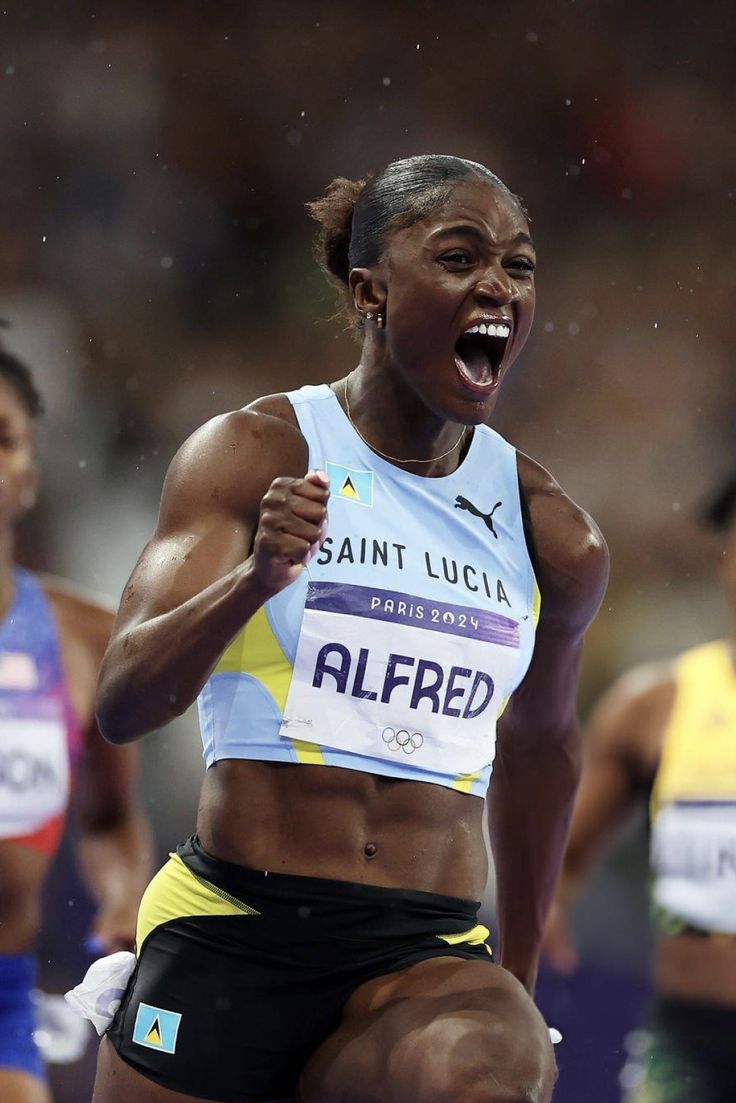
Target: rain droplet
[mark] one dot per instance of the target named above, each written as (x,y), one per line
(568,103)
(656,325)
(43,238)
(9,70)
(549,327)
(167,262)
(627,193)
(386,82)
(83,464)
(532,36)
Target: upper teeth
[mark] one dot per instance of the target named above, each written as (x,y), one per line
(499,330)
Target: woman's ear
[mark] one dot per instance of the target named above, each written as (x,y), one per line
(369,291)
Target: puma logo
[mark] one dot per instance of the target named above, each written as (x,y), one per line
(486,518)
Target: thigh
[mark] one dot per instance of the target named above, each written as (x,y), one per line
(117,1082)
(21,1087)
(201,1019)
(441,1030)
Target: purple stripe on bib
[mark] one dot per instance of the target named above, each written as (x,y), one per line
(397,608)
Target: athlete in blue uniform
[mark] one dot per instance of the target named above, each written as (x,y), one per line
(350,579)
(51,642)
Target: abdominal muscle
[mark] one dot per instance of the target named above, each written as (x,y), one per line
(697,968)
(322,821)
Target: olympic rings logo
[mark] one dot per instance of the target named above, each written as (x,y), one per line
(402,740)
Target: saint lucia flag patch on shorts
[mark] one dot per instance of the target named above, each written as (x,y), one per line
(350,483)
(156,1028)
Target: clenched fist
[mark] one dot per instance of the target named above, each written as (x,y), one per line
(292,525)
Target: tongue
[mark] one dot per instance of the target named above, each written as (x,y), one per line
(473,360)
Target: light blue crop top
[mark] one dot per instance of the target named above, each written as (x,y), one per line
(398,647)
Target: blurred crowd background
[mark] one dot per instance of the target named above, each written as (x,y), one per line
(156,268)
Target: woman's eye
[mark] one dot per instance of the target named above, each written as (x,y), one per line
(458,257)
(523,264)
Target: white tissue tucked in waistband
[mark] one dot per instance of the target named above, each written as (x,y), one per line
(99,995)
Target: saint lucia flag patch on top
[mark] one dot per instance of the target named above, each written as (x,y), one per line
(347,482)
(156,1028)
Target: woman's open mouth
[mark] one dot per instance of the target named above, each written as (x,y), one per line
(479,352)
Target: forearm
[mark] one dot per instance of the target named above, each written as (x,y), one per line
(153,671)
(116,860)
(530,806)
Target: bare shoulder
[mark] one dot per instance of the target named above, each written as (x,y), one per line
(84,618)
(631,716)
(229,462)
(263,432)
(639,693)
(572,555)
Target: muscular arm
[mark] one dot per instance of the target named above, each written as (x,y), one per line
(538,751)
(622,748)
(113,837)
(230,535)
(114,844)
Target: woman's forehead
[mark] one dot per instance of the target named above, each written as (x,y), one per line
(482,200)
(480,204)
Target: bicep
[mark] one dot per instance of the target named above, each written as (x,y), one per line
(572,572)
(205,527)
(210,508)
(176,565)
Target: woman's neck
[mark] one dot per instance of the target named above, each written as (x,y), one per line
(375,412)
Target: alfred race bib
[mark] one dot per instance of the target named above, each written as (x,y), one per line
(398,677)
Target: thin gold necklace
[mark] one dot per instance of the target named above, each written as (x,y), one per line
(385,455)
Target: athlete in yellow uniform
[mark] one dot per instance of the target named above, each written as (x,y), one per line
(671,729)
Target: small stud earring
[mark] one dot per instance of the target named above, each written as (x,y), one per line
(379,321)
(369,317)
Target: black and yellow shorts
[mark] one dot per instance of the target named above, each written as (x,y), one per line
(242,974)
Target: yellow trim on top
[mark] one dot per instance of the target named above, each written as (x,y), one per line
(536,602)
(310,754)
(175,893)
(536,614)
(464,782)
(257,652)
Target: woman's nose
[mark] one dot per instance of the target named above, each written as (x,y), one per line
(497,286)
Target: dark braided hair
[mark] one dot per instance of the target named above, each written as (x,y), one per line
(18,376)
(357,216)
